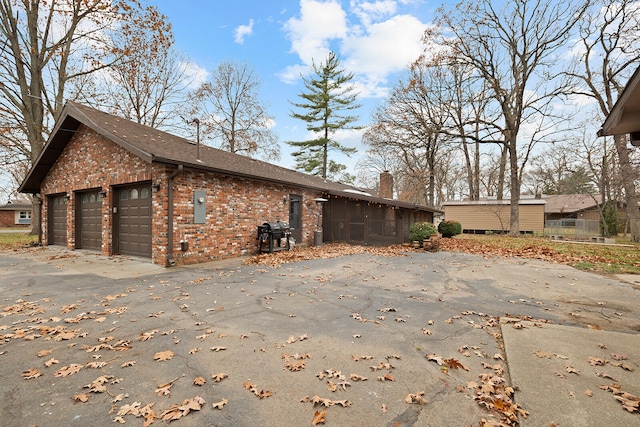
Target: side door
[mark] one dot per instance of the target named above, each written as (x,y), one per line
(295,217)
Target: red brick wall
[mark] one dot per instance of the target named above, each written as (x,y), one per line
(7,218)
(91,161)
(234,209)
(234,206)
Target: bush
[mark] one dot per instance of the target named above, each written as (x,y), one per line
(422,230)
(449,228)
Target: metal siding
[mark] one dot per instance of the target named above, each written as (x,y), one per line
(57,220)
(134,221)
(90,220)
(495,217)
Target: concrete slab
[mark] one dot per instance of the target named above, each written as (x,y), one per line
(83,262)
(558,370)
(394,309)
(630,278)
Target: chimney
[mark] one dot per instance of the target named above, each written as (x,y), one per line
(386,185)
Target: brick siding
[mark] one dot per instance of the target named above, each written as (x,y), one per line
(234,206)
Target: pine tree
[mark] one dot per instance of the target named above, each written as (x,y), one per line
(327,97)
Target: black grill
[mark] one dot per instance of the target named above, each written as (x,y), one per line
(273,237)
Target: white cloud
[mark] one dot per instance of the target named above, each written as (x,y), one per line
(242,31)
(195,74)
(292,73)
(374,41)
(318,23)
(371,11)
(387,47)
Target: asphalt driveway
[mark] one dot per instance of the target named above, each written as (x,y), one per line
(359,340)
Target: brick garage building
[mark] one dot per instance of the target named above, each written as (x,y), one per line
(118,187)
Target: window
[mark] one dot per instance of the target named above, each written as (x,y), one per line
(23,217)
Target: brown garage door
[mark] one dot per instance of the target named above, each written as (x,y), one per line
(89,220)
(57,220)
(134,220)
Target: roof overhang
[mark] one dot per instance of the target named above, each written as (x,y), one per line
(382,201)
(66,126)
(624,117)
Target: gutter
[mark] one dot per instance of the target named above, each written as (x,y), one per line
(175,173)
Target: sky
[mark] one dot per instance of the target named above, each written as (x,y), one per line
(279,39)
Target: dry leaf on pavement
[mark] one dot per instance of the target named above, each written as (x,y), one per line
(162,356)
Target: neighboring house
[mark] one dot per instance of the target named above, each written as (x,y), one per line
(16,213)
(480,216)
(572,206)
(118,187)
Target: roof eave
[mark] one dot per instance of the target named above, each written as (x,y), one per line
(67,124)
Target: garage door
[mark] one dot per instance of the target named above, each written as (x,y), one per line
(57,221)
(134,220)
(89,220)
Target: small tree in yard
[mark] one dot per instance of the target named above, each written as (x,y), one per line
(449,228)
(421,230)
(328,95)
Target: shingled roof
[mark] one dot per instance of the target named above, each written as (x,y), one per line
(570,203)
(155,146)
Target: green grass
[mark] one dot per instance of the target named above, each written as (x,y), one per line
(606,259)
(10,241)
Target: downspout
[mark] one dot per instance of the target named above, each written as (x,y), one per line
(170,215)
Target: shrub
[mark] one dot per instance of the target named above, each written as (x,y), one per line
(422,230)
(449,228)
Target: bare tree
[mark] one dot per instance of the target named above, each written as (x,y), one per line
(411,122)
(149,85)
(512,49)
(44,46)
(609,47)
(232,115)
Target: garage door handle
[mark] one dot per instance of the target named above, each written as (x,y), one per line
(115,210)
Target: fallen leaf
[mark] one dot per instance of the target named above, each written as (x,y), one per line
(51,362)
(219,405)
(199,381)
(163,356)
(82,397)
(572,370)
(416,398)
(596,361)
(219,377)
(65,371)
(588,393)
(318,417)
(31,374)
(218,348)
(623,366)
(435,358)
(454,364)
(43,353)
(543,354)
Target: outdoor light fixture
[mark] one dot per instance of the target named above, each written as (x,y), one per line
(155,187)
(284,200)
(103,193)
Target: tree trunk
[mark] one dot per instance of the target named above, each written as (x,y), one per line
(501,173)
(631,199)
(470,169)
(476,177)
(514,218)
